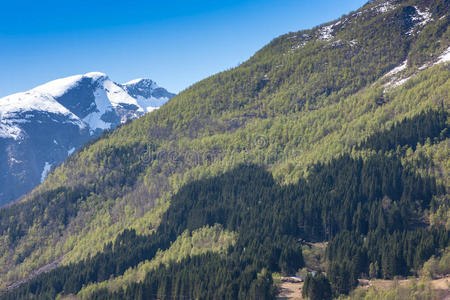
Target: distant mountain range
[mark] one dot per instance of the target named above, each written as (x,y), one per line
(41,127)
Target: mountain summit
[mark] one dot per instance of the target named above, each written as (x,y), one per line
(41,127)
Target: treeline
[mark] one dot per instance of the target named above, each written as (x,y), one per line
(397,253)
(430,124)
(381,255)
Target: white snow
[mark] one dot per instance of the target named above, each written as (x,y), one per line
(425,16)
(134,81)
(72,150)
(337,43)
(14,160)
(103,104)
(96,75)
(10,131)
(108,95)
(14,105)
(384,7)
(146,104)
(116,94)
(142,81)
(295,47)
(400,82)
(396,82)
(58,87)
(45,172)
(31,100)
(326,33)
(424,66)
(444,57)
(302,41)
(422,18)
(398,69)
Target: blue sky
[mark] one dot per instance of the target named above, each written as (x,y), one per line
(175,43)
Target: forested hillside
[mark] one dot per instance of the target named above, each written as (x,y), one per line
(339,134)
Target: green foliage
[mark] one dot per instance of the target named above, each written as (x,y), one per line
(421,290)
(343,277)
(410,132)
(438,266)
(291,259)
(201,241)
(317,287)
(294,108)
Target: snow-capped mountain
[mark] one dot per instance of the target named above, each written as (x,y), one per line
(41,127)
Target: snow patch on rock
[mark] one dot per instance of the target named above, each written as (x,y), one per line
(72,150)
(10,131)
(117,95)
(397,69)
(14,110)
(46,170)
(94,119)
(384,7)
(326,33)
(420,19)
(444,57)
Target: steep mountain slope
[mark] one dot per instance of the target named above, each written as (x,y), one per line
(41,127)
(306,98)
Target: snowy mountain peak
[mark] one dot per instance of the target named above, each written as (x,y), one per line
(39,128)
(96,75)
(140,81)
(60,86)
(95,100)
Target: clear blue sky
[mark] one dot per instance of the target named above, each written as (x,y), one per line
(173,42)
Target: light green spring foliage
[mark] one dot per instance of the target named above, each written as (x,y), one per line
(432,284)
(437,267)
(314,257)
(418,291)
(433,160)
(284,108)
(292,144)
(203,240)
